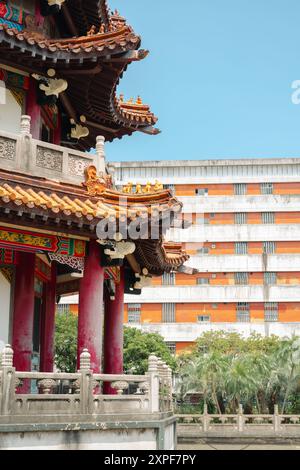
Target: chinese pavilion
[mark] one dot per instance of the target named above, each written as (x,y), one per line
(60,64)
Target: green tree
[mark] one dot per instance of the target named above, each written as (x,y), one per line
(138,346)
(66,342)
(228,369)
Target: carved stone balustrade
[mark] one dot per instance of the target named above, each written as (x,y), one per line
(49,396)
(240,424)
(20,152)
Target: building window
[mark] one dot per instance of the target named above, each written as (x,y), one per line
(63,309)
(268,217)
(241,278)
(266,188)
(203,318)
(241,248)
(240,189)
(271,311)
(214,306)
(201,191)
(202,280)
(171,346)
(270,278)
(269,248)
(168,279)
(240,218)
(168,313)
(134,313)
(203,251)
(243,312)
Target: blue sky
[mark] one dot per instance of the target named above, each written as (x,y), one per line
(218,76)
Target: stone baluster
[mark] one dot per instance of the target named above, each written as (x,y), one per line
(153,374)
(46,386)
(25,157)
(8,379)
(85,360)
(86,382)
(276,419)
(241,419)
(170,382)
(120,386)
(7,356)
(100,151)
(205,418)
(25,125)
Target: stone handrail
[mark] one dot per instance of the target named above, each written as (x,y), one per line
(240,422)
(30,394)
(20,152)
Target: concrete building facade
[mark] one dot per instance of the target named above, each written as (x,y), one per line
(243,236)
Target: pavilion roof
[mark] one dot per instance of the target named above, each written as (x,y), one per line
(92,63)
(62,207)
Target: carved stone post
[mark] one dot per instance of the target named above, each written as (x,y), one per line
(100,153)
(170,388)
(7,381)
(154,384)
(25,124)
(86,382)
(241,419)
(24,147)
(276,419)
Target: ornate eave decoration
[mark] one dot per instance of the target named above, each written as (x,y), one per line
(96,184)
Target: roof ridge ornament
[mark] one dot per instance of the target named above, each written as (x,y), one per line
(96,184)
(147,189)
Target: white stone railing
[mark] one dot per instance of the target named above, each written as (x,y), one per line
(238,423)
(36,394)
(20,152)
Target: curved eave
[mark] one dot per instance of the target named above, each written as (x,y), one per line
(53,199)
(66,51)
(153,255)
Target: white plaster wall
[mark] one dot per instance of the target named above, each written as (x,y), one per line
(189,332)
(4,310)
(10,113)
(80,440)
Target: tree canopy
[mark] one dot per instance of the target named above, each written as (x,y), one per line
(227,369)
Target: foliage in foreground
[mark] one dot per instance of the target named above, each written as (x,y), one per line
(258,372)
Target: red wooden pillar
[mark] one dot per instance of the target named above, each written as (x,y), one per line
(33,109)
(23,312)
(57,131)
(91,307)
(48,324)
(113,334)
